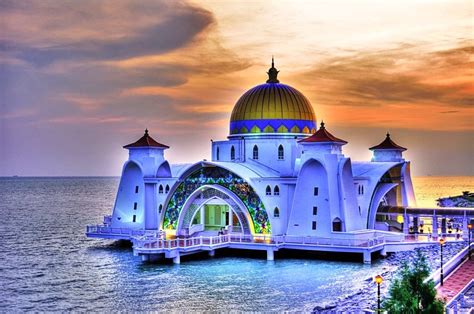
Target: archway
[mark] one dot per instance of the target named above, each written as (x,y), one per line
(214,208)
(237,193)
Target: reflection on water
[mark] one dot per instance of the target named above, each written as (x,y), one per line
(48,264)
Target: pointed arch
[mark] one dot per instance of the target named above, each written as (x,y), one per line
(255,152)
(164,170)
(276,190)
(281,152)
(167,189)
(268,190)
(160,189)
(276,213)
(232,153)
(160,209)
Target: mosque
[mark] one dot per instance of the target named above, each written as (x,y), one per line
(278,174)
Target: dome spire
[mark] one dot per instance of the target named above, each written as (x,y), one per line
(273,73)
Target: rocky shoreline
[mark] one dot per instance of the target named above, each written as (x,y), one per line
(364,298)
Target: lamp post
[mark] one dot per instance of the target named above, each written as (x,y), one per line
(378,281)
(441,242)
(469,228)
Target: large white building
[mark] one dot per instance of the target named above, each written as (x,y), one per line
(278,182)
(278,173)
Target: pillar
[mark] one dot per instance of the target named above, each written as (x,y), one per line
(465,230)
(406,223)
(202,215)
(270,254)
(176,259)
(434,232)
(145,258)
(383,252)
(367,257)
(212,253)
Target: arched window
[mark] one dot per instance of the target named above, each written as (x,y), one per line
(255,152)
(281,152)
(268,191)
(160,189)
(276,212)
(362,190)
(232,153)
(160,208)
(217,153)
(276,190)
(167,189)
(337,225)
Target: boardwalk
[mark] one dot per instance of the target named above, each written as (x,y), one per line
(457,280)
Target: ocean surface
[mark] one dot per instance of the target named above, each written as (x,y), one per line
(47,264)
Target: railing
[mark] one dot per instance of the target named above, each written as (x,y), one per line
(142,243)
(457,303)
(101,229)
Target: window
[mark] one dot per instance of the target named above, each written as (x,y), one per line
(281,152)
(160,208)
(136,189)
(315,210)
(232,153)
(255,152)
(337,225)
(276,212)
(316,191)
(135,205)
(268,190)
(314,225)
(361,189)
(134,219)
(160,189)
(167,189)
(217,153)
(276,190)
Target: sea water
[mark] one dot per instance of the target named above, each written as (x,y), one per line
(47,264)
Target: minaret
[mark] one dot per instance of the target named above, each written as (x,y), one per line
(388,151)
(146,147)
(322,142)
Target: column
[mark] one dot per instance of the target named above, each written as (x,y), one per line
(465,230)
(434,232)
(270,254)
(367,257)
(202,215)
(151,207)
(176,259)
(406,223)
(212,253)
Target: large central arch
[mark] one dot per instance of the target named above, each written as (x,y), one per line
(243,198)
(206,193)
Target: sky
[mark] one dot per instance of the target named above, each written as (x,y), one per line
(80,79)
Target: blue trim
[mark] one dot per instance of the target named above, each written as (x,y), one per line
(274,123)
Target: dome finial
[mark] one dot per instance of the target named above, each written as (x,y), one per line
(322,125)
(273,73)
(388,134)
(146,132)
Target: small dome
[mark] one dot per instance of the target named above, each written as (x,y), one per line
(273,108)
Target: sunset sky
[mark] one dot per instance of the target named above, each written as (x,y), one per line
(80,79)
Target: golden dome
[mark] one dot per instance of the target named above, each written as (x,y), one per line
(273,108)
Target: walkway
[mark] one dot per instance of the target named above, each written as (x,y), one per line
(457,280)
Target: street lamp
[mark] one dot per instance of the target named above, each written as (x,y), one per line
(378,281)
(441,242)
(469,228)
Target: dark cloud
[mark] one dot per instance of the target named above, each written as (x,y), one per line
(172,30)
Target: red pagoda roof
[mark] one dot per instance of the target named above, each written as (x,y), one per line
(388,144)
(146,141)
(322,136)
